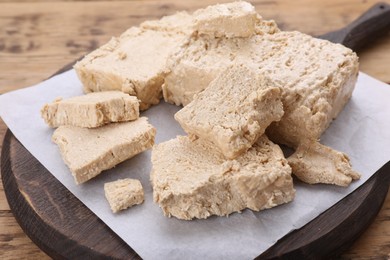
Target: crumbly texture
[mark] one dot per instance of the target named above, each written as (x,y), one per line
(88,152)
(234,110)
(133,63)
(91,110)
(317,77)
(314,163)
(236,19)
(123,193)
(190,179)
(265,26)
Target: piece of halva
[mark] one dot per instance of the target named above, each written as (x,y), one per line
(318,78)
(191,179)
(233,111)
(123,193)
(91,110)
(236,19)
(89,151)
(133,63)
(314,163)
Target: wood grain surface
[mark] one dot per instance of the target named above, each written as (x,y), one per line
(39,37)
(64,228)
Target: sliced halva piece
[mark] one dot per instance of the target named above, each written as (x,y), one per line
(236,19)
(233,111)
(314,163)
(318,78)
(123,193)
(190,179)
(89,151)
(133,63)
(91,110)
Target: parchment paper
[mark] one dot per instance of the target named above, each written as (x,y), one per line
(362,130)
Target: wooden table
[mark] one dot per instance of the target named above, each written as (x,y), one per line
(39,37)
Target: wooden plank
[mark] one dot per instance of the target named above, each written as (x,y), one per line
(59,223)
(14,244)
(375,59)
(373,243)
(50,214)
(34,43)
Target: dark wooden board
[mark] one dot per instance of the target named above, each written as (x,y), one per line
(64,228)
(50,214)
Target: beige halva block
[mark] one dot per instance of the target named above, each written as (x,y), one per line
(191,179)
(314,163)
(89,151)
(133,63)
(234,110)
(236,19)
(318,78)
(91,110)
(123,193)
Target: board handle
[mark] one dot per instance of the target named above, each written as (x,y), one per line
(372,24)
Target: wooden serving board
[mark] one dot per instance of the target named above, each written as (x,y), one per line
(64,227)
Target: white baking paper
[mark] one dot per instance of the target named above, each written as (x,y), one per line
(362,130)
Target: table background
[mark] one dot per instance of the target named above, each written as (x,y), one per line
(39,37)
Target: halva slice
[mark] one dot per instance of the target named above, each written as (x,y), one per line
(123,193)
(133,63)
(318,78)
(314,163)
(91,110)
(190,179)
(236,19)
(233,111)
(89,151)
